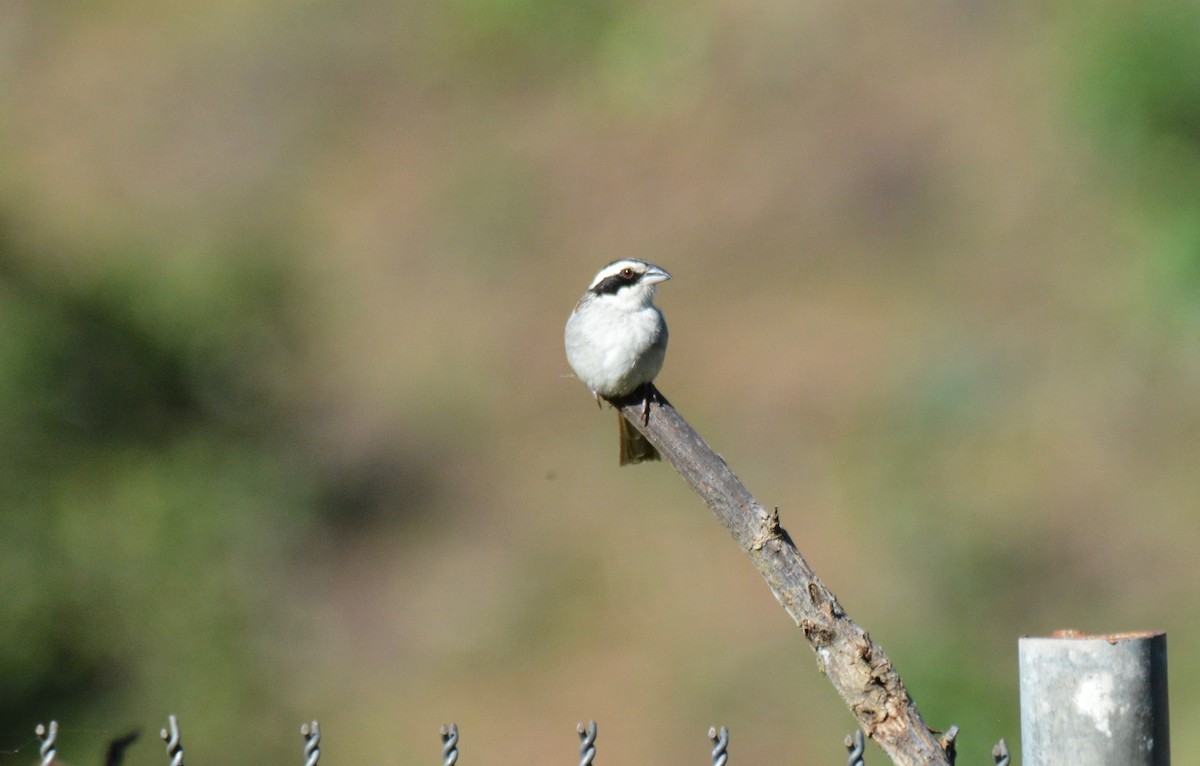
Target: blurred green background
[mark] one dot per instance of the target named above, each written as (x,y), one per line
(286,431)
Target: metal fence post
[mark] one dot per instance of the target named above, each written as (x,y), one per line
(1099,700)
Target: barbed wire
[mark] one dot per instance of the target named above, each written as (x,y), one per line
(312,743)
(720,750)
(449,744)
(174,741)
(587,743)
(47,739)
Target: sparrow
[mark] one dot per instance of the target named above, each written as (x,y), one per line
(616,340)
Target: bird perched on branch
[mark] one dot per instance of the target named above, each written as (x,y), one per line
(616,340)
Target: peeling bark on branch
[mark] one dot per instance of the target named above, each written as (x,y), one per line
(855,665)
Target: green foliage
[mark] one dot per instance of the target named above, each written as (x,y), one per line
(1140,87)
(146,485)
(1141,78)
(526,39)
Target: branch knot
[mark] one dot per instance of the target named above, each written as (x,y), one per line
(768,530)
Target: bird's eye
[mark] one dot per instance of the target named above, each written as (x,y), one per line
(627,272)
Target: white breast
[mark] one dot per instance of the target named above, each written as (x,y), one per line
(613,349)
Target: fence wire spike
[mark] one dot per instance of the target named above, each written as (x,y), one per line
(948,743)
(449,744)
(1000,753)
(857,747)
(312,743)
(173,740)
(587,743)
(49,737)
(720,754)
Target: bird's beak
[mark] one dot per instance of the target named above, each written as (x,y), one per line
(654,275)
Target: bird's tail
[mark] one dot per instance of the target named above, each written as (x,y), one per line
(634,447)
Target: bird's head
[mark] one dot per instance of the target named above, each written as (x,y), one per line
(628,281)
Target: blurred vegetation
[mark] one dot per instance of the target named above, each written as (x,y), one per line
(151,484)
(1141,92)
(284,422)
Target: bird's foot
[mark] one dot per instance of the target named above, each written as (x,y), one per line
(649,393)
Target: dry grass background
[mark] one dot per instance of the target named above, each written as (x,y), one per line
(921,303)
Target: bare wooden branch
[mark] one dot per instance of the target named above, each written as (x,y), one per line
(857,666)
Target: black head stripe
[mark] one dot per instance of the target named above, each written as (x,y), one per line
(609,285)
